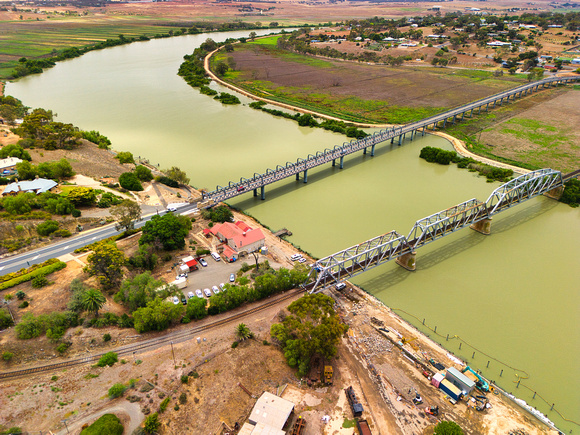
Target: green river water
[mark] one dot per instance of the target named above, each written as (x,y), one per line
(513,295)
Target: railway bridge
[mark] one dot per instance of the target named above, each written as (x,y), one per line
(337,154)
(393,246)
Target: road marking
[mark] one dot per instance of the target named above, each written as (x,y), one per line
(36,257)
(66,247)
(2,267)
(94,238)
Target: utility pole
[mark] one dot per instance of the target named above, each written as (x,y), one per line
(64,421)
(173,353)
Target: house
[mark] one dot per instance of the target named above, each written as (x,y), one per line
(239,237)
(269,416)
(189,264)
(8,165)
(38,186)
(575,61)
(499,44)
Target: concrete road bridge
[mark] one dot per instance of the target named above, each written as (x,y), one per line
(339,152)
(371,253)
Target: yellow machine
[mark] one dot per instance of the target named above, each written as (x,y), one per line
(328,374)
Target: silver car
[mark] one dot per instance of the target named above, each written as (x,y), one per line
(198,293)
(215,289)
(207,292)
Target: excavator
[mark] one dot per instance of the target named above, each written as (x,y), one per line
(481,383)
(405,341)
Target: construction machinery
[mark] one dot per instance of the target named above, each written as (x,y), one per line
(328,372)
(299,426)
(480,383)
(432,410)
(405,340)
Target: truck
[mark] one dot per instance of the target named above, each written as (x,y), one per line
(363,427)
(451,390)
(357,408)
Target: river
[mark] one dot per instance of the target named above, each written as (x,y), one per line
(513,295)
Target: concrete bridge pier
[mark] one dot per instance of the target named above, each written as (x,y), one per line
(341,162)
(423,132)
(400,139)
(298,176)
(263,195)
(412,132)
(255,192)
(444,122)
(471,113)
(306,174)
(333,162)
(364,151)
(407,261)
(483,226)
(372,151)
(462,116)
(392,139)
(454,119)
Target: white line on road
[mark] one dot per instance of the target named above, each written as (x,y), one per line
(66,247)
(93,238)
(36,257)
(2,267)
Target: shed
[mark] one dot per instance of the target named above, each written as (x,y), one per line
(9,164)
(459,380)
(437,378)
(272,411)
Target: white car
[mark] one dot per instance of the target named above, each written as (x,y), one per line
(302,260)
(203,262)
(175,300)
(190,295)
(295,257)
(207,292)
(222,285)
(215,289)
(232,277)
(198,293)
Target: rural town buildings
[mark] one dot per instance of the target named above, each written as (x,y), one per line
(37,186)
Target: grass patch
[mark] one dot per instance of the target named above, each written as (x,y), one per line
(270,40)
(347,424)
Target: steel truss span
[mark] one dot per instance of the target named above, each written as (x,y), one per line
(260,180)
(379,250)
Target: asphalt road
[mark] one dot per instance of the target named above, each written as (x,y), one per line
(67,246)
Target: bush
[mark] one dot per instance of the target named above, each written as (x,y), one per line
(61,348)
(183,398)
(50,267)
(97,138)
(39,281)
(117,390)
(20,294)
(437,155)
(23,304)
(7,356)
(152,423)
(447,428)
(143,173)
(125,157)
(108,359)
(76,213)
(5,319)
(106,337)
(107,424)
(235,344)
(184,379)
(47,228)
(167,181)
(129,181)
(163,404)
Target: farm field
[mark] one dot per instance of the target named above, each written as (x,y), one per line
(357,91)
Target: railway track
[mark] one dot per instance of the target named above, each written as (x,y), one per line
(150,344)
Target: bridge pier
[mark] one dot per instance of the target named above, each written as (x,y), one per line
(341,163)
(407,261)
(412,131)
(298,176)
(462,116)
(372,151)
(255,192)
(333,162)
(400,139)
(423,132)
(444,122)
(364,151)
(454,119)
(263,196)
(471,113)
(483,226)
(392,139)
(306,175)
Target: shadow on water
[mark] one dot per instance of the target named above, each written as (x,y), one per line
(289,184)
(395,275)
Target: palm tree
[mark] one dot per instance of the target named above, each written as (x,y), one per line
(93,300)
(243,332)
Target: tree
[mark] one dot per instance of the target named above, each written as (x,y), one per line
(19,204)
(243,332)
(196,308)
(221,68)
(144,259)
(78,290)
(143,173)
(229,47)
(252,35)
(126,214)
(129,181)
(92,301)
(14,150)
(108,424)
(447,428)
(140,290)
(117,390)
(151,424)
(106,263)
(157,315)
(125,157)
(5,319)
(168,231)
(177,174)
(47,228)
(312,328)
(82,196)
(26,170)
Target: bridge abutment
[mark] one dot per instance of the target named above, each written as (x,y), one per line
(407,261)
(483,226)
(555,193)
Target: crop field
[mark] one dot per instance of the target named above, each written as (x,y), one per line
(357,91)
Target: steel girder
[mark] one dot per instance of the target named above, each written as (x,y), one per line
(522,188)
(447,221)
(356,259)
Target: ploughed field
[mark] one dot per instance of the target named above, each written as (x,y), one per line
(356,91)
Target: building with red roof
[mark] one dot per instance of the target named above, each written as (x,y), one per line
(239,237)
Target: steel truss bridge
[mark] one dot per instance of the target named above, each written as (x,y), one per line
(260,180)
(379,250)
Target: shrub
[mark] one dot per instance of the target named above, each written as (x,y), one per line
(23,304)
(183,398)
(7,356)
(163,404)
(106,337)
(49,267)
(108,359)
(152,423)
(76,213)
(5,319)
(167,181)
(447,428)
(20,294)
(143,173)
(125,157)
(97,138)
(129,181)
(39,281)
(184,379)
(107,424)
(235,344)
(61,348)
(47,228)
(117,390)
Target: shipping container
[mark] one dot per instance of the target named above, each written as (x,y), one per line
(363,427)
(450,389)
(436,379)
(459,380)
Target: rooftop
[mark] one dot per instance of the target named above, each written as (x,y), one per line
(8,162)
(37,186)
(272,411)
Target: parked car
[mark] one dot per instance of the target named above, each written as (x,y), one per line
(295,257)
(207,292)
(340,286)
(198,293)
(183,300)
(222,285)
(232,277)
(240,188)
(302,260)
(215,289)
(215,256)
(203,262)
(190,295)
(175,300)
